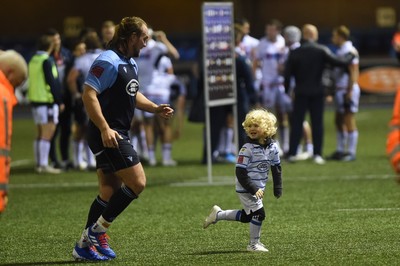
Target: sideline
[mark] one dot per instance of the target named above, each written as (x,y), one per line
(368,209)
(230,180)
(203,182)
(54,185)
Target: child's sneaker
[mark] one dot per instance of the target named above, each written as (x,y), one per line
(212,217)
(257,247)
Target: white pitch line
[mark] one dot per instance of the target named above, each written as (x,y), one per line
(54,185)
(21,162)
(368,209)
(218,181)
(231,180)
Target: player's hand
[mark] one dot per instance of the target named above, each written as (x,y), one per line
(165,111)
(277,192)
(110,138)
(159,35)
(61,107)
(259,194)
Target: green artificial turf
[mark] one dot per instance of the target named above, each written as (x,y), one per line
(335,214)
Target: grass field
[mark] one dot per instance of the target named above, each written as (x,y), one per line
(335,214)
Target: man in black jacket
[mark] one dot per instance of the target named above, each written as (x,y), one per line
(306,65)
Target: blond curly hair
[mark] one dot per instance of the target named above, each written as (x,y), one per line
(264,119)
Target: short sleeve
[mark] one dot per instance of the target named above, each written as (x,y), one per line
(244,156)
(102,75)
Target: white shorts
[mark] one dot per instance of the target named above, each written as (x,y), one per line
(250,203)
(340,105)
(274,97)
(44,114)
(157,100)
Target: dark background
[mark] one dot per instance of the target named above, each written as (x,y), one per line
(22,21)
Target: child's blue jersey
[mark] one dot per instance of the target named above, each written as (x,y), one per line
(257,160)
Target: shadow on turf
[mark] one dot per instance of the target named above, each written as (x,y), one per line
(214,252)
(66,262)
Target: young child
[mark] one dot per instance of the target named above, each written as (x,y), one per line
(255,158)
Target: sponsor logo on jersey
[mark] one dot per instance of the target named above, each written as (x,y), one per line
(262,166)
(240,159)
(132,87)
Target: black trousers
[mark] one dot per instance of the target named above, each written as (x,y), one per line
(315,105)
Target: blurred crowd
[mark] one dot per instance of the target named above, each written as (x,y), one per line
(289,73)
(263,80)
(59,114)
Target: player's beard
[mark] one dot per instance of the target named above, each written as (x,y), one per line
(135,52)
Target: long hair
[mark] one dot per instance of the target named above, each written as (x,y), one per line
(264,119)
(124,30)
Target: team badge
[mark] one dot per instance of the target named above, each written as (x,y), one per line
(97,71)
(132,87)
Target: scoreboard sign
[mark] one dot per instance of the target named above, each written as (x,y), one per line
(218,51)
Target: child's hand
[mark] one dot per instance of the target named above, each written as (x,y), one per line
(277,192)
(259,194)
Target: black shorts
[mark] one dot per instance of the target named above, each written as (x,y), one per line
(111,159)
(80,115)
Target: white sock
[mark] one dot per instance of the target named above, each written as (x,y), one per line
(36,151)
(143,143)
(229,215)
(83,243)
(78,152)
(152,155)
(285,139)
(255,230)
(341,138)
(44,149)
(228,140)
(101,225)
(221,141)
(352,139)
(166,151)
(310,148)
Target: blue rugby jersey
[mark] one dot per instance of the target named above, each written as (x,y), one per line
(115,78)
(257,160)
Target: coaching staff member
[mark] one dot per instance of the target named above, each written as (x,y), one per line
(110,96)
(306,65)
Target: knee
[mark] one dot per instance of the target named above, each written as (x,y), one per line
(245,218)
(259,215)
(137,185)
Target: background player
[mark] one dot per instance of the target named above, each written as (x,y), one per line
(347,96)
(269,54)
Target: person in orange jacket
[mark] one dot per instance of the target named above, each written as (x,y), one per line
(393,138)
(13,72)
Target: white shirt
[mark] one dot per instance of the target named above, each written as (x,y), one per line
(270,54)
(341,75)
(248,44)
(148,56)
(85,61)
(161,81)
